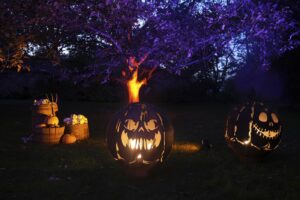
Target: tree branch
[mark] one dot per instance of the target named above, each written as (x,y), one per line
(107,36)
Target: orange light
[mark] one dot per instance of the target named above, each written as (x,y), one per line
(134,84)
(186,147)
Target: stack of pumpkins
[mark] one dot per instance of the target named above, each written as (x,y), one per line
(46,128)
(45,123)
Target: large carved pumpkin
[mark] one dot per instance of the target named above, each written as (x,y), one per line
(253,130)
(139,134)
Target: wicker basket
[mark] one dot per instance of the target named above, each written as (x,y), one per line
(80,131)
(48,135)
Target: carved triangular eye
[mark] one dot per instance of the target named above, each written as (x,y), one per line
(274,118)
(131,125)
(263,117)
(151,125)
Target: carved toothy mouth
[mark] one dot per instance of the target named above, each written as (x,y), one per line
(139,143)
(270,134)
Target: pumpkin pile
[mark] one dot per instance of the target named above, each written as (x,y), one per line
(46,128)
(45,123)
(77,125)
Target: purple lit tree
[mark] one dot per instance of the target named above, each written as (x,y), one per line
(210,39)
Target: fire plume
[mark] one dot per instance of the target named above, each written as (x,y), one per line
(134,86)
(133,83)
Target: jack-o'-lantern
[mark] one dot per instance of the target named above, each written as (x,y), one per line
(253,130)
(139,134)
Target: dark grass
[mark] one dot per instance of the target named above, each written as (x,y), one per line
(86,170)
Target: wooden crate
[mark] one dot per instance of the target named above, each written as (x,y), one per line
(48,135)
(80,131)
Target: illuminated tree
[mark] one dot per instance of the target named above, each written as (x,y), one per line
(209,38)
(205,39)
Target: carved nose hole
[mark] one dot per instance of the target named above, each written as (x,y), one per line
(270,123)
(141,129)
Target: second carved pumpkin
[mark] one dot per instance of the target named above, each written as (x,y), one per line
(253,129)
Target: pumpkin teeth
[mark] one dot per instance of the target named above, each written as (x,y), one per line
(145,144)
(267,134)
(149,144)
(140,143)
(132,143)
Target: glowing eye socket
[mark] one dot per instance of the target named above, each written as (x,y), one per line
(151,125)
(131,124)
(263,117)
(274,118)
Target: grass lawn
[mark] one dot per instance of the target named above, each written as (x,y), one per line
(86,170)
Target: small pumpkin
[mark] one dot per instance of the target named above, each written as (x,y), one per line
(139,134)
(52,121)
(69,139)
(253,129)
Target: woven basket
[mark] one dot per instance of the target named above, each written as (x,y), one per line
(80,131)
(48,135)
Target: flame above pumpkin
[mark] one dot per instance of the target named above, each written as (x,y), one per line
(133,83)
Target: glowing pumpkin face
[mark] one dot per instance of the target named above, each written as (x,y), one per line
(140,134)
(266,124)
(253,128)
